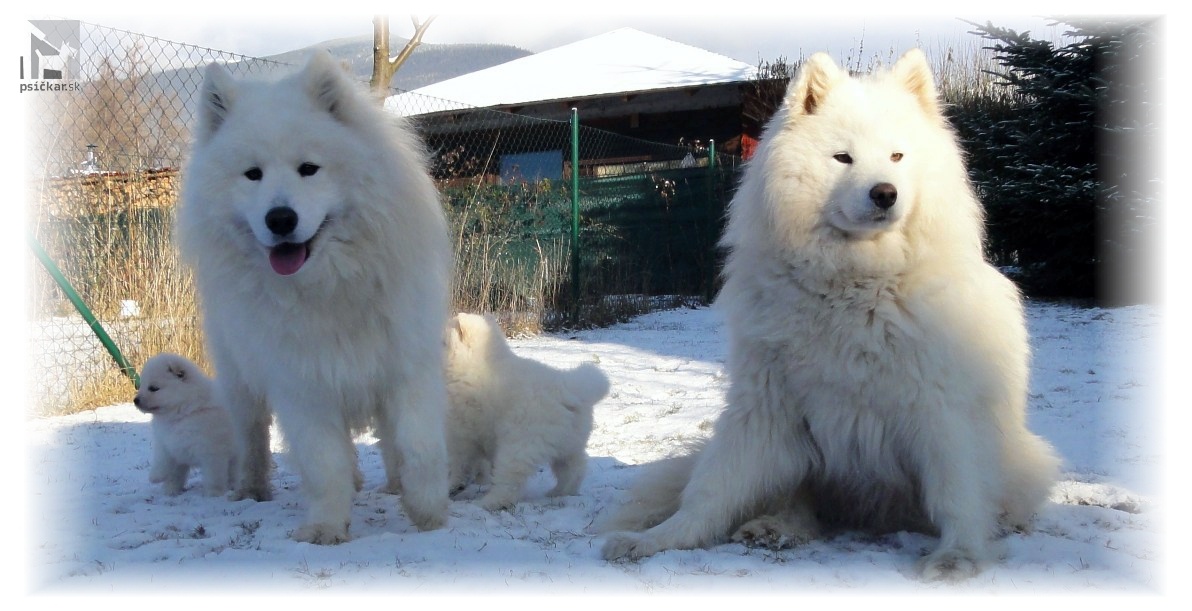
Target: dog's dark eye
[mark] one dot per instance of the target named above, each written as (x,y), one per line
(843,157)
(896,157)
(153,389)
(307,169)
(253,173)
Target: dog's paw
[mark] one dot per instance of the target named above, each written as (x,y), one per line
(321,534)
(253,494)
(495,503)
(392,486)
(430,523)
(427,519)
(563,491)
(627,547)
(771,533)
(948,565)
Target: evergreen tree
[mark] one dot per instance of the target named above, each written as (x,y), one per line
(1063,170)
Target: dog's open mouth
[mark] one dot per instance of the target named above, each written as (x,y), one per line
(288,258)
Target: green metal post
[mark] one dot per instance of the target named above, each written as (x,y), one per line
(710,292)
(88,316)
(574,217)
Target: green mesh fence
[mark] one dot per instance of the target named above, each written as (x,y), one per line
(650,213)
(104,182)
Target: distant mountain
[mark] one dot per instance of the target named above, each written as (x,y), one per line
(172,95)
(430,63)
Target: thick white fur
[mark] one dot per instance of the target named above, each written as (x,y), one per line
(354,338)
(878,364)
(190,429)
(514,414)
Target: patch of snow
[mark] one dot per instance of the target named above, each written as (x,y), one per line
(99,526)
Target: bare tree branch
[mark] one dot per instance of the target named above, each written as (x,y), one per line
(384,67)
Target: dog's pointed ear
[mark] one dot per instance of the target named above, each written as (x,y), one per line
(177,370)
(328,85)
(817,76)
(215,100)
(914,73)
(455,330)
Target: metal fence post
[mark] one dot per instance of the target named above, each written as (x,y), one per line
(575,216)
(713,194)
(84,311)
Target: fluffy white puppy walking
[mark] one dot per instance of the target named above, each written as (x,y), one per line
(512,414)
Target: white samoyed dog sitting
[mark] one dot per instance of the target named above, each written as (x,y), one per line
(322,261)
(878,364)
(190,429)
(509,415)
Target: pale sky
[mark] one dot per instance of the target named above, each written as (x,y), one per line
(763,34)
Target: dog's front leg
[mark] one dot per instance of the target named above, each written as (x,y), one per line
(321,448)
(385,431)
(418,409)
(754,452)
(250,424)
(959,471)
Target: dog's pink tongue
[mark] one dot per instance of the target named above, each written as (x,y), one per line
(287,259)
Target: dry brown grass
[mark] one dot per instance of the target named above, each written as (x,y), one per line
(519,291)
(498,268)
(127,253)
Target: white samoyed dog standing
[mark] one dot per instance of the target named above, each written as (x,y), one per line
(190,429)
(512,414)
(322,259)
(878,364)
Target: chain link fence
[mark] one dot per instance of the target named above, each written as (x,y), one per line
(108,131)
(105,180)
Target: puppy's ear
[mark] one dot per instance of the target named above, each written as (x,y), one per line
(455,330)
(215,100)
(178,371)
(817,76)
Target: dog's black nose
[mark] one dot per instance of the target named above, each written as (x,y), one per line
(281,220)
(136,401)
(883,195)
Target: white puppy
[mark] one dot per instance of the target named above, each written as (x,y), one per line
(514,413)
(189,428)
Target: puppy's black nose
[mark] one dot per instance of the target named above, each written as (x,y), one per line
(883,195)
(136,401)
(281,220)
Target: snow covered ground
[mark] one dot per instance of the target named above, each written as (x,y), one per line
(98,525)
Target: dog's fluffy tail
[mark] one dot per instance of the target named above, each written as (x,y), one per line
(654,495)
(586,386)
